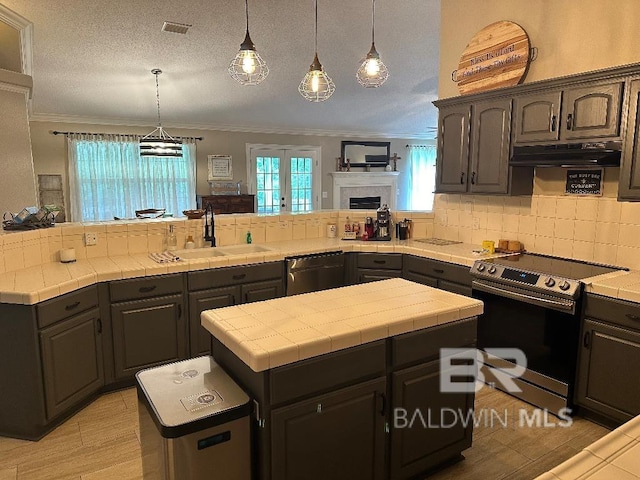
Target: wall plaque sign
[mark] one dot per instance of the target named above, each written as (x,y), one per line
(220,167)
(584,182)
(497,56)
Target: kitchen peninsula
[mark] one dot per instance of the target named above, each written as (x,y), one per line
(329,370)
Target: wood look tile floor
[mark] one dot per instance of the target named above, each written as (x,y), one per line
(102,442)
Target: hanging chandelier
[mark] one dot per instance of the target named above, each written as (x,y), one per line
(316,86)
(248,67)
(159,143)
(372,73)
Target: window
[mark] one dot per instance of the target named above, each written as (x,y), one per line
(108,179)
(284,179)
(419,183)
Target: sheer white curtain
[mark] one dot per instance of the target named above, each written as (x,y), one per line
(108,178)
(420,178)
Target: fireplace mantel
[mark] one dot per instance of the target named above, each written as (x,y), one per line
(384,184)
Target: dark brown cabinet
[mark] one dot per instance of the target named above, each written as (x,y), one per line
(474,141)
(610,350)
(200,339)
(573,113)
(340,435)
(437,274)
(71,361)
(371,267)
(227,203)
(629,186)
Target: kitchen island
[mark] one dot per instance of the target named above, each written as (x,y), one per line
(346,381)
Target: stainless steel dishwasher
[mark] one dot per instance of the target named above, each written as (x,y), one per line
(310,273)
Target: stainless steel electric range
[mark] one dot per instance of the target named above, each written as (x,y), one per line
(532,303)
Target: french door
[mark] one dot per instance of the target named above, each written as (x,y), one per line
(283,178)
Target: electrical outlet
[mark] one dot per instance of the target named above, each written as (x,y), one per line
(476,224)
(325,195)
(90,239)
(443,219)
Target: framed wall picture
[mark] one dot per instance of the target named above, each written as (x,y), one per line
(220,167)
(584,182)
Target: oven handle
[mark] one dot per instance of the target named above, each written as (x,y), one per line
(561,305)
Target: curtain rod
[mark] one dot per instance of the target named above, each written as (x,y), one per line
(55,132)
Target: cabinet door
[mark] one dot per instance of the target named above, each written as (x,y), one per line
(629,187)
(491,137)
(607,372)
(71,361)
(258,291)
(200,339)
(454,287)
(452,166)
(365,275)
(537,117)
(337,436)
(591,112)
(147,333)
(419,278)
(417,446)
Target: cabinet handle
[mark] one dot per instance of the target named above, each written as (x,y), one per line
(71,306)
(380,262)
(553,123)
(147,289)
(383,404)
(586,340)
(461,178)
(633,317)
(99,325)
(569,121)
(319,408)
(473,178)
(239,276)
(179,311)
(438,270)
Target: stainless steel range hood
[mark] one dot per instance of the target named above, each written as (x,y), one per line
(604,154)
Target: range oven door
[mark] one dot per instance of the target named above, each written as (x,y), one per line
(545,328)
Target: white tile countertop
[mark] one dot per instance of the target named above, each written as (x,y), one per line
(281,331)
(621,284)
(35,284)
(616,456)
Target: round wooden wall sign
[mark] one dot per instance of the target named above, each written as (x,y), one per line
(497,56)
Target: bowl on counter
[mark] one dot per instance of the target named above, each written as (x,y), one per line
(193,214)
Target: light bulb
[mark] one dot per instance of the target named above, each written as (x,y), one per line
(315,81)
(248,62)
(373,67)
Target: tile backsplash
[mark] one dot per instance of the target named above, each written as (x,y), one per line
(597,229)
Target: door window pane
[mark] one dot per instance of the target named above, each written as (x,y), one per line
(301,184)
(268,184)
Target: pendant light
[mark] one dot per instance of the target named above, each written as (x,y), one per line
(248,67)
(159,143)
(372,73)
(316,86)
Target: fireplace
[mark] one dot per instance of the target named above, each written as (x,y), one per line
(364,203)
(348,185)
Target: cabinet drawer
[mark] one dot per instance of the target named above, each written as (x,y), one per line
(424,345)
(385,261)
(437,269)
(222,277)
(619,312)
(137,288)
(328,372)
(56,309)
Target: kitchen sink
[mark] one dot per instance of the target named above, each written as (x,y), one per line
(243,249)
(207,252)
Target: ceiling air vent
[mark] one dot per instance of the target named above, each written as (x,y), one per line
(174,27)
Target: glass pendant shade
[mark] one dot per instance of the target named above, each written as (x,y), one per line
(248,67)
(316,86)
(372,73)
(159,143)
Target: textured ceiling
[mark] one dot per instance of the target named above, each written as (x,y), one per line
(92,60)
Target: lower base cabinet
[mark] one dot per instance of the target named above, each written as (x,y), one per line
(434,273)
(71,361)
(147,333)
(200,339)
(346,426)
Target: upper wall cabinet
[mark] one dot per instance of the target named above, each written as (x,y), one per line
(574,113)
(629,186)
(452,167)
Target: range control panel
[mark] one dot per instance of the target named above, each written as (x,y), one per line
(524,279)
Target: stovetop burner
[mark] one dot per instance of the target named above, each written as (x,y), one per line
(561,267)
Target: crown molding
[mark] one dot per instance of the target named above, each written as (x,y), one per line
(53,118)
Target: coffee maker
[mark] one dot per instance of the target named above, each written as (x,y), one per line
(383,223)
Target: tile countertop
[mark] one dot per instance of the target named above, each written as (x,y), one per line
(36,284)
(616,456)
(621,284)
(281,331)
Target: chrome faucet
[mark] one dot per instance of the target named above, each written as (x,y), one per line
(209,229)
